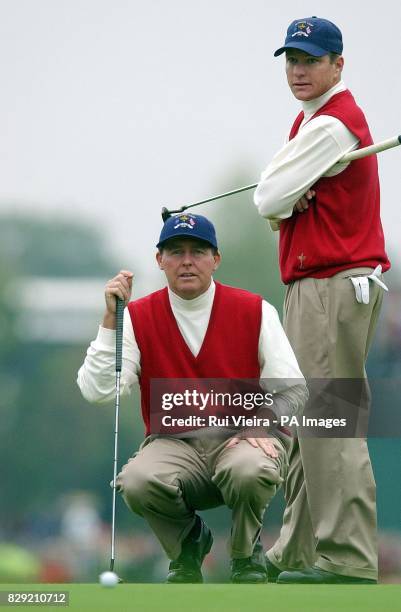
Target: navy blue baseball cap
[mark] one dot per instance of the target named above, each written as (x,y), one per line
(313,35)
(195,226)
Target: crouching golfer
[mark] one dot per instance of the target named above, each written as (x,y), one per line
(197,328)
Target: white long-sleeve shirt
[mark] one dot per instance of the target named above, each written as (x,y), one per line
(280,372)
(314,152)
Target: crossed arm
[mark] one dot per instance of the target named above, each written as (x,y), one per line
(286,185)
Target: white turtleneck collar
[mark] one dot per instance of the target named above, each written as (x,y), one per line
(310,107)
(193,316)
(198,303)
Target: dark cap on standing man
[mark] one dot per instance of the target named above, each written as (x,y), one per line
(194,226)
(313,35)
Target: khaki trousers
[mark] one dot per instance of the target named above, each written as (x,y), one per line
(330,518)
(169,478)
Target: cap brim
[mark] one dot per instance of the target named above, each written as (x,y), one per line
(303,46)
(185,235)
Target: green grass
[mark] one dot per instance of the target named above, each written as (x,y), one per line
(222,597)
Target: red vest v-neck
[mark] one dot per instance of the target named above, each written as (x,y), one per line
(229,349)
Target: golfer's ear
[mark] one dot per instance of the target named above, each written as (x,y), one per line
(340,63)
(159,260)
(217,260)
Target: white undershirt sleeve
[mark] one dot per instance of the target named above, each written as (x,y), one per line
(97,375)
(280,373)
(313,153)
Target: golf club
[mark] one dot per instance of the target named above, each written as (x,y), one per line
(119,352)
(357,154)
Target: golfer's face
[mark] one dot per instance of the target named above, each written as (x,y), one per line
(188,265)
(310,77)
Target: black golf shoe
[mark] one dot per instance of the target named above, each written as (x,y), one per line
(273,571)
(315,575)
(251,570)
(187,567)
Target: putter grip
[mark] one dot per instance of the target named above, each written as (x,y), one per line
(119,333)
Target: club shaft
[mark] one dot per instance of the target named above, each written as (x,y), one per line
(113,516)
(357,154)
(119,351)
(223,195)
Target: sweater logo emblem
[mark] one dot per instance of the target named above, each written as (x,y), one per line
(303,28)
(301,258)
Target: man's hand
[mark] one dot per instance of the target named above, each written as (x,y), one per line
(120,286)
(303,203)
(266,444)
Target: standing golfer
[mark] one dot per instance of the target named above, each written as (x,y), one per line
(331,254)
(196,328)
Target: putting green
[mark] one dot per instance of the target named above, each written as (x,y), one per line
(221,597)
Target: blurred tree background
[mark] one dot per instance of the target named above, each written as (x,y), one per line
(52,442)
(249,247)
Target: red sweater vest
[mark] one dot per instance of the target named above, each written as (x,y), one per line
(341,229)
(229,349)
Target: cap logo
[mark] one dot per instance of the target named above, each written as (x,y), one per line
(303,28)
(185,222)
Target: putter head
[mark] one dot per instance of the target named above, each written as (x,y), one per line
(166,214)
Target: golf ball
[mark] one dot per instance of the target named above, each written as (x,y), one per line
(108,579)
